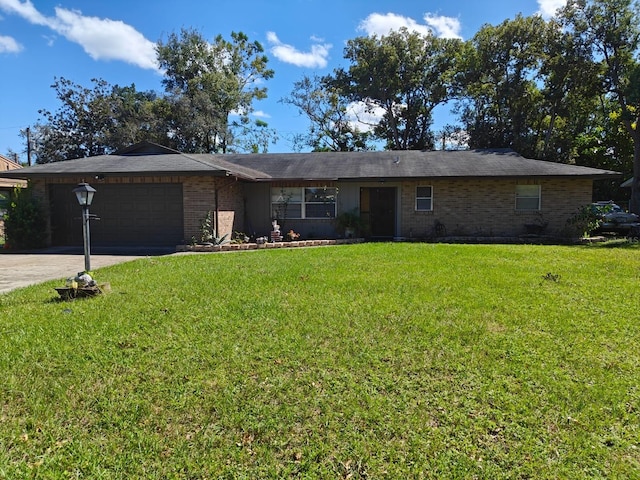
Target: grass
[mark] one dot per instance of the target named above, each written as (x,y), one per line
(364,361)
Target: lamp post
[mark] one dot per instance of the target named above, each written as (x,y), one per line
(84,192)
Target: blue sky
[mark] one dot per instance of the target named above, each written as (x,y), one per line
(114,40)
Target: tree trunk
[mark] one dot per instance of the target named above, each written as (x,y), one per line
(547,136)
(629,124)
(634,203)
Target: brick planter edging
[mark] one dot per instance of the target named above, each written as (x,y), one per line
(524,239)
(232,247)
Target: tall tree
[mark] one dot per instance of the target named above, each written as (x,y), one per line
(94,121)
(453,137)
(77,128)
(406,75)
(501,99)
(605,143)
(136,116)
(527,84)
(571,93)
(610,29)
(207,83)
(332,126)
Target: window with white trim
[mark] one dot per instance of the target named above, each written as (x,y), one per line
(303,202)
(528,198)
(424,198)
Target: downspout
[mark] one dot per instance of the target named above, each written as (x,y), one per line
(216,211)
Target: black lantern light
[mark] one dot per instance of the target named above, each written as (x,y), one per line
(84,193)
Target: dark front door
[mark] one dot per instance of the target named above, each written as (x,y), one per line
(378,207)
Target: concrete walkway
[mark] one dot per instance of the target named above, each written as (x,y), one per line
(23,269)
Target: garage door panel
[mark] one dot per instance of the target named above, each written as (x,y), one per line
(130,214)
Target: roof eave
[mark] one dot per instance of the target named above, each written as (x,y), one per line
(593,176)
(94,173)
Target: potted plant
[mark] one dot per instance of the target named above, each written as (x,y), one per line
(349,223)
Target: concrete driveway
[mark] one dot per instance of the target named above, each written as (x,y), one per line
(23,269)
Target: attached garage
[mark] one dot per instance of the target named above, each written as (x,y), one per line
(149,214)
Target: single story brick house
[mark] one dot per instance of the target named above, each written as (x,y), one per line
(149,195)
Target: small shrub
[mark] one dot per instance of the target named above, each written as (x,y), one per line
(24,221)
(585,221)
(350,220)
(208,232)
(240,238)
(207,229)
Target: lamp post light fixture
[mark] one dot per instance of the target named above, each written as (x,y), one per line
(84,192)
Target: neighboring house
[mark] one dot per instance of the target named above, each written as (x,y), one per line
(150,195)
(6,165)
(7,185)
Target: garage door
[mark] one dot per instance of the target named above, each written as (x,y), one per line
(130,215)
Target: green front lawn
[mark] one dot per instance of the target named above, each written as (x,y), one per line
(361,361)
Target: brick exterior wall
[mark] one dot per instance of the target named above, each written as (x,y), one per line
(486,207)
(479,207)
(200,197)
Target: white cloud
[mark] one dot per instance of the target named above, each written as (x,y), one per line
(316,58)
(101,38)
(256,113)
(105,39)
(444,27)
(51,39)
(364,117)
(548,8)
(9,45)
(378,24)
(26,10)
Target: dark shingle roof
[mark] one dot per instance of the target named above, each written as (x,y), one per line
(138,164)
(318,165)
(406,164)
